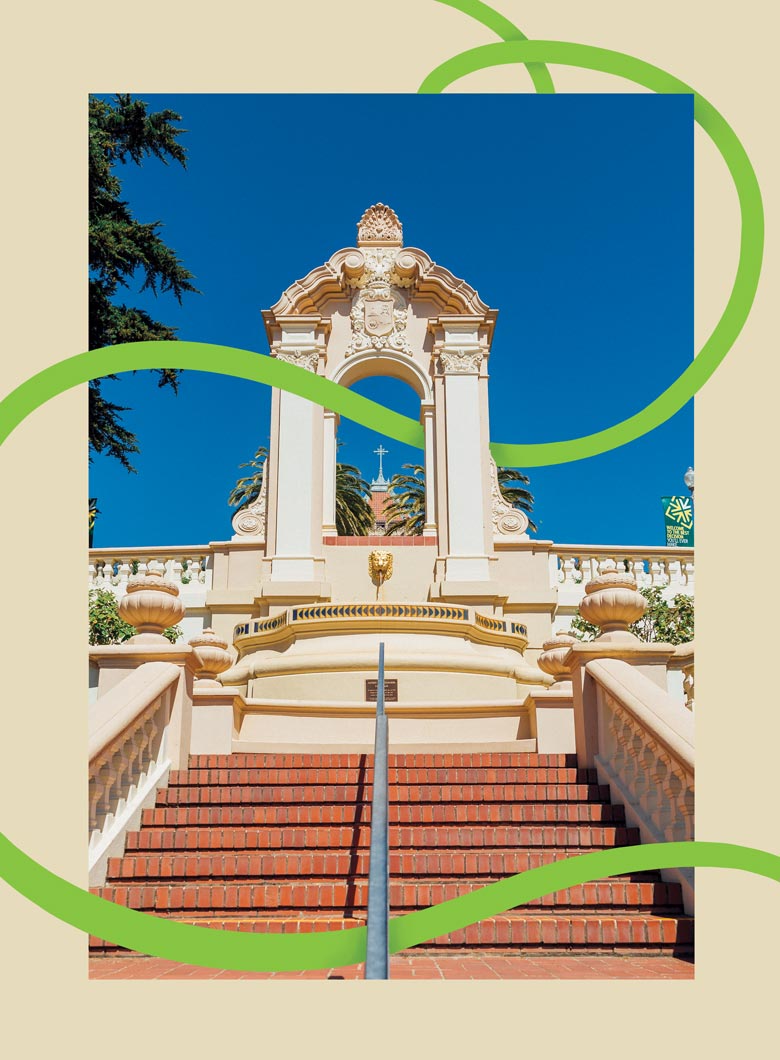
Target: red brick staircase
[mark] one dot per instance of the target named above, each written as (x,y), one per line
(279,842)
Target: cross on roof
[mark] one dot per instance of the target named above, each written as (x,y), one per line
(381,451)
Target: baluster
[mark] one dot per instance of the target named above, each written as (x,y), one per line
(628,763)
(651,796)
(638,570)
(123,574)
(97,786)
(177,569)
(636,746)
(663,814)
(687,802)
(619,754)
(674,790)
(91,576)
(674,568)
(656,572)
(568,571)
(688,568)
(688,686)
(196,572)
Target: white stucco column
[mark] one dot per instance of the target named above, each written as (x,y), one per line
(330,428)
(469,544)
(299,462)
(428,420)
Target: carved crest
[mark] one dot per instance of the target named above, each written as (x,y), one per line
(380,224)
(378,315)
(378,319)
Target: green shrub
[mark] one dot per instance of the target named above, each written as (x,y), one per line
(663,621)
(107,627)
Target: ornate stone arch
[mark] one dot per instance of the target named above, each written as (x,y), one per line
(397,366)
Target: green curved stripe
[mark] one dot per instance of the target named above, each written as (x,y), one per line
(502,27)
(248,952)
(751,242)
(244,951)
(203,357)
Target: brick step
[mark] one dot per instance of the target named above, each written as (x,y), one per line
(352,814)
(346,895)
(516,932)
(397,793)
(422,760)
(237,840)
(305,863)
(361,776)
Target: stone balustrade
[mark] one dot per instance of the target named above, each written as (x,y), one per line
(644,749)
(128,754)
(573,566)
(188,566)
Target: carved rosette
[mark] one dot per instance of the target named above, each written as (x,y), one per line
(554,652)
(307,357)
(151,604)
(211,656)
(250,520)
(508,521)
(460,361)
(612,602)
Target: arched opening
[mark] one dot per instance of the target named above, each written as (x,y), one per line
(374,457)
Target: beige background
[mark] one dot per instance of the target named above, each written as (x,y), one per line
(55,55)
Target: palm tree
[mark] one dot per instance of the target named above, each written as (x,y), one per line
(94,512)
(247,489)
(405,510)
(405,506)
(511,483)
(354,515)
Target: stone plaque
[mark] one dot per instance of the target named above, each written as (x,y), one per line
(391,691)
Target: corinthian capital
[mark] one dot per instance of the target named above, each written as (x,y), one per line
(462,362)
(303,358)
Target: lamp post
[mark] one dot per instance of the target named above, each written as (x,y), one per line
(688,479)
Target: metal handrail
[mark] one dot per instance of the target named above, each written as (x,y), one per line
(377,952)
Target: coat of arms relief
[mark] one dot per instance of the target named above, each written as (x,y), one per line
(379,311)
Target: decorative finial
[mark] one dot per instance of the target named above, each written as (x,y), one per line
(380,225)
(380,483)
(151,604)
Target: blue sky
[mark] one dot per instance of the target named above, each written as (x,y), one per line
(570,214)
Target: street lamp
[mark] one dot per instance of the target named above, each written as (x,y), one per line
(688,479)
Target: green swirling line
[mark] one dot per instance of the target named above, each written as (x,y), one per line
(260,952)
(232,949)
(248,365)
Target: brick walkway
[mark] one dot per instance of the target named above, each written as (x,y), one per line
(421,967)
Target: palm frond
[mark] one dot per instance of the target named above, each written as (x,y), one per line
(405,506)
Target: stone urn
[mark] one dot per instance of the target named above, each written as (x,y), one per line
(612,602)
(551,660)
(151,604)
(212,658)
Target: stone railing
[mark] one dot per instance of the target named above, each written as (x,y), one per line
(189,566)
(128,756)
(683,661)
(572,566)
(644,749)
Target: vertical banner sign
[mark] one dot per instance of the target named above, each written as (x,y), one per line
(678,521)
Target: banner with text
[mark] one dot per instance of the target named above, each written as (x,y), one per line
(678,521)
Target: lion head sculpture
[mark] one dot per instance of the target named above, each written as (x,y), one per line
(380,565)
